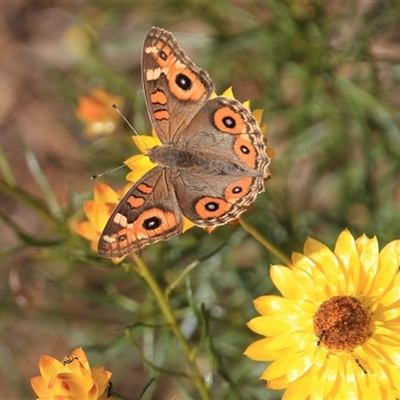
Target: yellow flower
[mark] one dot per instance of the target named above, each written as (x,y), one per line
(71,379)
(96,112)
(335,333)
(98,211)
(140,164)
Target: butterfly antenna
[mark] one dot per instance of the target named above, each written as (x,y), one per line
(125,119)
(106,172)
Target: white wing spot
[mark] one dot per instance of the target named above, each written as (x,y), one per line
(154,74)
(151,49)
(120,219)
(109,239)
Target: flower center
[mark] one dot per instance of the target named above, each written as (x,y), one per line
(341,323)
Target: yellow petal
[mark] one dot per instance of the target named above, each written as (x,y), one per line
(301,388)
(68,384)
(276,384)
(97,214)
(312,290)
(228,93)
(140,165)
(144,142)
(80,354)
(187,224)
(280,367)
(294,342)
(345,246)
(257,114)
(257,351)
(271,152)
(49,367)
(330,375)
(104,194)
(326,262)
(265,305)
(284,280)
(389,299)
(102,377)
(368,250)
(39,386)
(140,161)
(389,260)
(86,230)
(246,104)
(301,365)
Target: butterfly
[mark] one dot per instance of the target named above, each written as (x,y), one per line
(211,165)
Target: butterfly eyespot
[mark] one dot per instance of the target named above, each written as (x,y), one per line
(237,189)
(183,81)
(122,238)
(152,223)
(229,122)
(212,206)
(244,149)
(163,55)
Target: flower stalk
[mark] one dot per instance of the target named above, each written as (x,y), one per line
(142,269)
(263,240)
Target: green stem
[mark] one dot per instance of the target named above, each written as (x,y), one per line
(173,324)
(267,244)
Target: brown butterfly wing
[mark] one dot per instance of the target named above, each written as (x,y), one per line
(175,89)
(229,159)
(148,213)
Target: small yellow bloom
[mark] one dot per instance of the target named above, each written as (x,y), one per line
(335,332)
(96,112)
(71,379)
(98,211)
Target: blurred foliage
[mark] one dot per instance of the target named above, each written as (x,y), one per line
(327,75)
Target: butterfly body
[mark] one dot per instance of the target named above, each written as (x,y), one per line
(212,162)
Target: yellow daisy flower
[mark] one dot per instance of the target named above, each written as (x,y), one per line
(71,379)
(335,332)
(96,112)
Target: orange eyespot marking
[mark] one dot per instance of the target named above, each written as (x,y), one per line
(184,84)
(122,239)
(238,189)
(151,224)
(143,188)
(229,121)
(164,51)
(135,202)
(154,222)
(158,98)
(212,207)
(246,151)
(161,114)
(164,56)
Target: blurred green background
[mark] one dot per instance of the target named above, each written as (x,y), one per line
(327,74)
